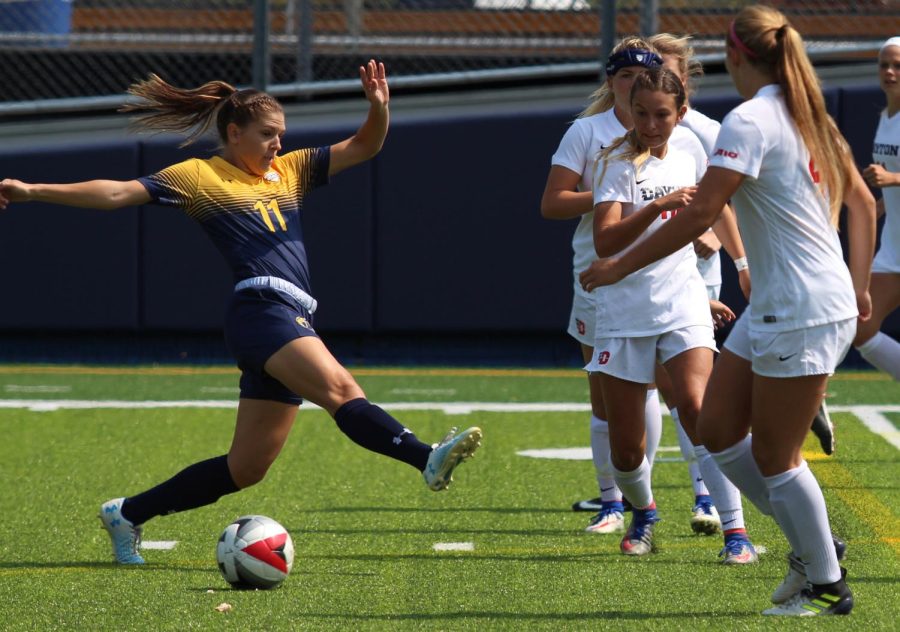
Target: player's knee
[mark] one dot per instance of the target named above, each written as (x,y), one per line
(342,388)
(249,474)
(627,459)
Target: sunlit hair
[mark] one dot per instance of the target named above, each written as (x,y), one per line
(603,99)
(680,48)
(652,80)
(769,43)
(165,108)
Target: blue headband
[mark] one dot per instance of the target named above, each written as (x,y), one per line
(632,57)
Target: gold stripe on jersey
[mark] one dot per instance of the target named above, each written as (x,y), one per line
(209,188)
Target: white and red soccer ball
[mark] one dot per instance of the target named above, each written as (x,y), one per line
(255,552)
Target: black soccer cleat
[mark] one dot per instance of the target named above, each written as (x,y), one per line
(823,428)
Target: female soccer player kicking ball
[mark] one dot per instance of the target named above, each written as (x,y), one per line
(782,161)
(248,200)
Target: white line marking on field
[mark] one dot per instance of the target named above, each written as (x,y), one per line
(584,454)
(454,546)
(159,545)
(874,419)
(872,416)
(422,391)
(37,388)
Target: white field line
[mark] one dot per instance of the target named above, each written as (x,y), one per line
(159,545)
(453,546)
(872,416)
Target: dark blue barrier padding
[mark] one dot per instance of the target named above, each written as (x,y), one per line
(460,242)
(858,120)
(186,281)
(717,107)
(65,268)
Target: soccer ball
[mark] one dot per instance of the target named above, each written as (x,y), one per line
(255,552)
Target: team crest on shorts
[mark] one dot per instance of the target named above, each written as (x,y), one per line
(579,325)
(603,357)
(303,322)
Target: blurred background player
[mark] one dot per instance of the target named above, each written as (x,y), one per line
(879,349)
(782,161)
(569,194)
(248,200)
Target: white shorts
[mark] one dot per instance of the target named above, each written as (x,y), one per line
(796,353)
(635,359)
(582,319)
(886,260)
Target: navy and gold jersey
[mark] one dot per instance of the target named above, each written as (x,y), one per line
(253,221)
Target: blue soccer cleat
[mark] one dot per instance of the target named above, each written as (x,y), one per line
(704,518)
(446,455)
(125,536)
(738,550)
(638,539)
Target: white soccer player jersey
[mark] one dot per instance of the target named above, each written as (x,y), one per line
(706,130)
(799,275)
(886,152)
(578,151)
(668,294)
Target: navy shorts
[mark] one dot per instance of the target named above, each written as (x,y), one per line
(257,324)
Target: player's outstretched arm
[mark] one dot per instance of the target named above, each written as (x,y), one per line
(99,194)
(370,137)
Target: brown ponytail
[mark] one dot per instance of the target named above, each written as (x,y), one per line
(165,108)
(774,46)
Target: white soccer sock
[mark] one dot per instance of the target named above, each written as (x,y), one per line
(800,511)
(725,495)
(687,453)
(609,492)
(636,485)
(738,465)
(882,352)
(652,424)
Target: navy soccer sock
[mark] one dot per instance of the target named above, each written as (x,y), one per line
(372,428)
(200,484)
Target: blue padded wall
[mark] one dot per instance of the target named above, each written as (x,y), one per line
(460,242)
(66,268)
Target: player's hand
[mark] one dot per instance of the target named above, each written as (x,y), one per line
(744,282)
(707,244)
(876,175)
(864,305)
(374,82)
(721,314)
(676,199)
(601,272)
(13,191)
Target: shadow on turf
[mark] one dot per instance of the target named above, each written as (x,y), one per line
(524,617)
(420,510)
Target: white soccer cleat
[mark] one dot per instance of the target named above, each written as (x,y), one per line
(125,536)
(793,582)
(705,519)
(446,455)
(609,519)
(638,539)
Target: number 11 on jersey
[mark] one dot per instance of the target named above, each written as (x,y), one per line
(264,211)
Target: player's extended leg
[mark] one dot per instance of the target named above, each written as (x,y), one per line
(625,402)
(610,516)
(690,372)
(307,368)
(780,410)
(876,347)
(260,432)
(704,516)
